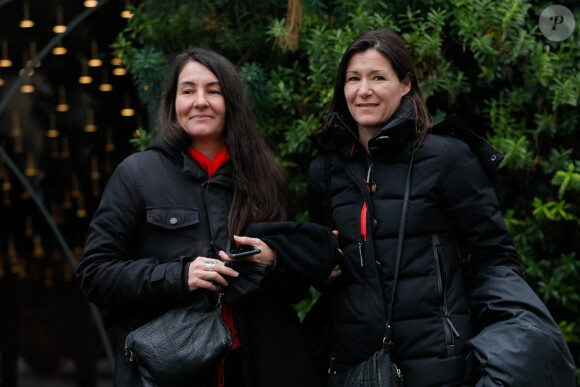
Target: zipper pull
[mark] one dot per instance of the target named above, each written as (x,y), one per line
(370,170)
(360,250)
(447,314)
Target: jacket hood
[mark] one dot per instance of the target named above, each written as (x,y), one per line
(489,157)
(159,144)
(344,137)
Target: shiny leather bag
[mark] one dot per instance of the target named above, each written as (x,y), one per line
(174,348)
(377,371)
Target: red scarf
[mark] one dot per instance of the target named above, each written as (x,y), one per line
(210,166)
(228,317)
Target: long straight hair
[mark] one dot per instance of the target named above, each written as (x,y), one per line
(260,189)
(392,47)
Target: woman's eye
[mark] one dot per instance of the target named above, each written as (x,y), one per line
(379,78)
(352,79)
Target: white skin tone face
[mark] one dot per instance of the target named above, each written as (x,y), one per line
(373,92)
(200,108)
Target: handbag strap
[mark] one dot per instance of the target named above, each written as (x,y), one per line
(400,239)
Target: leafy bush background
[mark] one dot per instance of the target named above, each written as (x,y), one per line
(484,60)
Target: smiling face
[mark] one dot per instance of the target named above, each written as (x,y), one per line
(199,104)
(372,91)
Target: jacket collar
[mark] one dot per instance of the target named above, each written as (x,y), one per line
(222,176)
(188,165)
(399,130)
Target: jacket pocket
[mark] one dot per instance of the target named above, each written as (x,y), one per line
(172,218)
(448,327)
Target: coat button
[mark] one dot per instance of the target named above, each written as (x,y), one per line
(493,157)
(173,220)
(373,189)
(375,224)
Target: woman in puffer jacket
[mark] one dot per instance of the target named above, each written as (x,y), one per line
(461,314)
(169,215)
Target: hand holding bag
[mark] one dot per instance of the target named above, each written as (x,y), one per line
(173,348)
(380,370)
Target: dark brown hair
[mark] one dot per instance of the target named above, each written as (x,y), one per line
(260,190)
(392,47)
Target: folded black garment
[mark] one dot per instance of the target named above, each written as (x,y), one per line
(252,275)
(308,249)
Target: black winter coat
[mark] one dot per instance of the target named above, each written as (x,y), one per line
(158,212)
(453,318)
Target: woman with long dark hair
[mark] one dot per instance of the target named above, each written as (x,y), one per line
(170,216)
(436,274)
(252,161)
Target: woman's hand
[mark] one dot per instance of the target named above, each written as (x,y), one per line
(266,256)
(202,271)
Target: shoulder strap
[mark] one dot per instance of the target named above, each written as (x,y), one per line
(400,240)
(402,225)
(327,177)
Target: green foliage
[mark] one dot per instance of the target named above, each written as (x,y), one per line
(485,60)
(304,306)
(141,138)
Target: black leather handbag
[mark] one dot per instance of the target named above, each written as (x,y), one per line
(174,348)
(380,370)
(180,345)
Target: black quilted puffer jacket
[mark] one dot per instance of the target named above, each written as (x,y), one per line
(462,313)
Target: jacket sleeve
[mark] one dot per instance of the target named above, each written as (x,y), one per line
(473,209)
(108,273)
(316,189)
(306,251)
(519,343)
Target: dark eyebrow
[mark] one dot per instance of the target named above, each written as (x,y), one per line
(187,83)
(372,71)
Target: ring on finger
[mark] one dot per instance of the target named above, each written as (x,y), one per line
(209,265)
